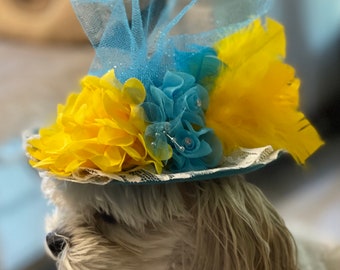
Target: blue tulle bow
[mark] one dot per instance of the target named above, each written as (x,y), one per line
(139,38)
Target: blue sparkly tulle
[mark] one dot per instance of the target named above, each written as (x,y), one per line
(139,38)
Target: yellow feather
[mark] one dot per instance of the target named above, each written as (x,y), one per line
(256,97)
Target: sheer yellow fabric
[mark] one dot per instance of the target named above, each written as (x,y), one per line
(102,127)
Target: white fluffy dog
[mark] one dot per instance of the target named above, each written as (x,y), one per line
(204,225)
(217,224)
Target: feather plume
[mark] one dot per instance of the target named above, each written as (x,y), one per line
(255,100)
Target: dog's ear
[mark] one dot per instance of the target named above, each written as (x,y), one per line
(238,228)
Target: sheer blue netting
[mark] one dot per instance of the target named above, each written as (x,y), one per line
(139,38)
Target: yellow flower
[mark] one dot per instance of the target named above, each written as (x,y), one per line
(256,97)
(102,128)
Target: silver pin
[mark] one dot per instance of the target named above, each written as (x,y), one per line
(173,140)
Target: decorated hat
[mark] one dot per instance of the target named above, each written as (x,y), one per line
(178,91)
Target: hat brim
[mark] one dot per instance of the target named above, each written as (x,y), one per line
(241,161)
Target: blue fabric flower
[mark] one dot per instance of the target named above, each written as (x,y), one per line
(177,129)
(201,62)
(158,106)
(192,104)
(160,101)
(194,149)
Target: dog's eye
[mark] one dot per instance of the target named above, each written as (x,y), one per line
(106,217)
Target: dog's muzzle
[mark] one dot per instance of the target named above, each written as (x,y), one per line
(56,243)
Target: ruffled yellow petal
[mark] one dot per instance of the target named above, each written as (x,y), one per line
(101,128)
(256,97)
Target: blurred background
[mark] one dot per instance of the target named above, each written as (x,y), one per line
(44,53)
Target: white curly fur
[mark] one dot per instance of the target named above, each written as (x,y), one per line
(207,225)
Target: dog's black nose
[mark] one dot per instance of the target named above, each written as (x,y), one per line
(56,243)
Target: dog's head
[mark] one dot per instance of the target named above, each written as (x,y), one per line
(115,226)
(216,224)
